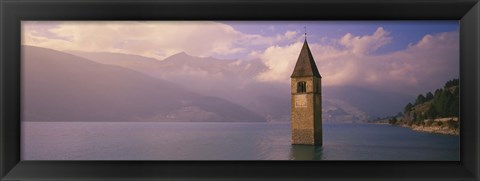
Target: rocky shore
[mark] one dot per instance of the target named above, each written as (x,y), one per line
(446,126)
(434,129)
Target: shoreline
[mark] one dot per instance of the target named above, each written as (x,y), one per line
(379,123)
(433,129)
(426,129)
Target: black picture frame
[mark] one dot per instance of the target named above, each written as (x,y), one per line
(12,12)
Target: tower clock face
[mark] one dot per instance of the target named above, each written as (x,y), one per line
(301,100)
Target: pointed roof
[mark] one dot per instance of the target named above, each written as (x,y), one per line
(305,64)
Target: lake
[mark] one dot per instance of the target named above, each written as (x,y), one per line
(227,141)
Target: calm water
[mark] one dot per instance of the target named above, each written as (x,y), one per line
(227,141)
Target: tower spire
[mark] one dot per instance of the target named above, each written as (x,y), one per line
(305,65)
(305,27)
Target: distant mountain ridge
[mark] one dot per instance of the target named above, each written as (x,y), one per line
(371,102)
(235,80)
(232,80)
(62,87)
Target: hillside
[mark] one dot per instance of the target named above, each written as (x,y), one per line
(437,113)
(232,80)
(373,103)
(235,81)
(62,87)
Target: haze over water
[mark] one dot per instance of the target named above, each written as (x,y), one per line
(227,141)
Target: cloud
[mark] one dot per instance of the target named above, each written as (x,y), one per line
(158,39)
(422,66)
(366,44)
(347,60)
(280,61)
(290,34)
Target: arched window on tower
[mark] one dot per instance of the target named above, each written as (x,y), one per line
(301,87)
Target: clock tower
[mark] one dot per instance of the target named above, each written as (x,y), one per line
(306,93)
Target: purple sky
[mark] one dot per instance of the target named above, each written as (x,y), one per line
(402,56)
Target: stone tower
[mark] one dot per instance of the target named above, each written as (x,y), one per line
(306,100)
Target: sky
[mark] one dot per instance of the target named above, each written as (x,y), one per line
(401,56)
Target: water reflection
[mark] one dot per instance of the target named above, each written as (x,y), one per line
(306,152)
(226,141)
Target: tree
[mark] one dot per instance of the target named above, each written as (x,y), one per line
(437,93)
(429,96)
(420,99)
(441,103)
(439,123)
(455,105)
(408,108)
(399,114)
(392,121)
(452,124)
(429,122)
(452,83)
(431,113)
(420,118)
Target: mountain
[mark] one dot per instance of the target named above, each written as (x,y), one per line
(62,87)
(372,102)
(232,80)
(339,111)
(235,81)
(179,64)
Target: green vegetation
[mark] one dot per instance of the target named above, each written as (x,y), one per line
(444,103)
(428,109)
(393,120)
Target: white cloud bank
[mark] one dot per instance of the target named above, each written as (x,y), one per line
(159,39)
(349,60)
(421,66)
